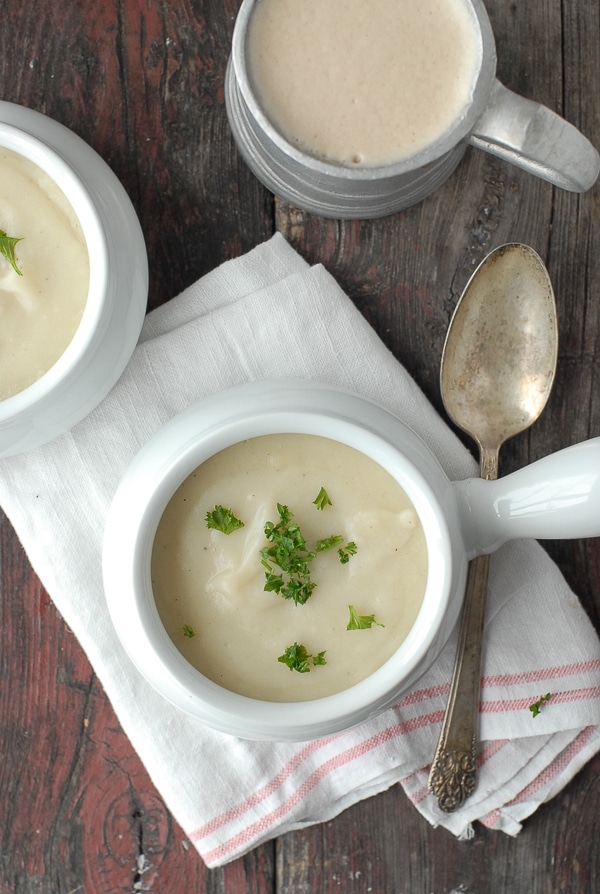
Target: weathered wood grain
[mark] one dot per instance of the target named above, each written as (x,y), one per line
(142,82)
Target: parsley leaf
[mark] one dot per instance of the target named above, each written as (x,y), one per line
(224,520)
(349,550)
(297,658)
(188,631)
(322,500)
(7,250)
(361,622)
(329,543)
(536,706)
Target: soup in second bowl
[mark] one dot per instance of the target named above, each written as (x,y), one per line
(43,294)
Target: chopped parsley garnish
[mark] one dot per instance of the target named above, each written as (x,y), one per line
(7,250)
(288,553)
(535,708)
(297,658)
(322,499)
(287,559)
(222,519)
(361,622)
(344,552)
(188,631)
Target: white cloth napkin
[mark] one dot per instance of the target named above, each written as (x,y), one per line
(268,315)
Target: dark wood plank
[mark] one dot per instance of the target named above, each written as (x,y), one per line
(143,84)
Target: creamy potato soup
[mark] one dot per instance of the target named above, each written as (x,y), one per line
(41,309)
(363,82)
(209,586)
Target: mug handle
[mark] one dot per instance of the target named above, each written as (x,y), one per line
(532,137)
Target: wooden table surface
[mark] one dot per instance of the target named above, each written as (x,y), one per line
(142,82)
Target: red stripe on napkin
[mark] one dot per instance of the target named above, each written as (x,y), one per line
(542,674)
(501,706)
(329,766)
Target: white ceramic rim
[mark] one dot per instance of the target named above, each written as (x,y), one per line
(445,143)
(158,470)
(66,179)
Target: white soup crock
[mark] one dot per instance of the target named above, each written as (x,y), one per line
(459,519)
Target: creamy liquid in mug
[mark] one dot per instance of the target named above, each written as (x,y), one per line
(363,82)
(214,583)
(40,310)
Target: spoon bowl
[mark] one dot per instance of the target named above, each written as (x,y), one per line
(500,353)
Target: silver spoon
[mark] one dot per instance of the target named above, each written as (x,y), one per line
(497,371)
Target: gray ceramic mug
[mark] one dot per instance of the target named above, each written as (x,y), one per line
(497,120)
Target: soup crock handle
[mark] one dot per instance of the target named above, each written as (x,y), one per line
(555,498)
(532,137)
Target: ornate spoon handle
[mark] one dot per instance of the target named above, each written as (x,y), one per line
(454,768)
